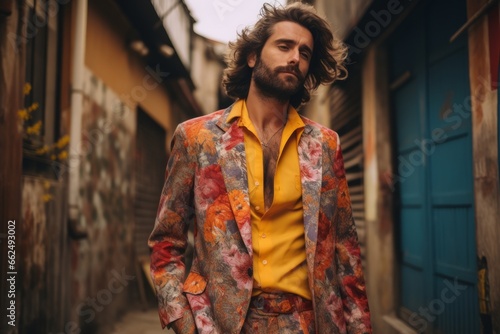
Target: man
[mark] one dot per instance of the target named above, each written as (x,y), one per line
(276,248)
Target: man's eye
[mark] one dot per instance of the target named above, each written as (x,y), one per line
(283,47)
(305,55)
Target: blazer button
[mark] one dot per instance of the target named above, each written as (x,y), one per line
(250,272)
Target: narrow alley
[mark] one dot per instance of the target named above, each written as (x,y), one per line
(93,91)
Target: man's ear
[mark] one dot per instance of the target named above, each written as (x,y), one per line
(252,59)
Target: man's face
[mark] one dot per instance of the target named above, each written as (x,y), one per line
(281,69)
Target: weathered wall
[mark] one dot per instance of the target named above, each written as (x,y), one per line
(42,265)
(64,285)
(12,64)
(118,81)
(102,272)
(381,283)
(110,58)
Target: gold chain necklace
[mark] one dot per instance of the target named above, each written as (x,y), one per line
(266,143)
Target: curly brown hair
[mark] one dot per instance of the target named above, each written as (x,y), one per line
(327,61)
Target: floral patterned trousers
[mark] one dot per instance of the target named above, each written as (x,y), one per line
(272,313)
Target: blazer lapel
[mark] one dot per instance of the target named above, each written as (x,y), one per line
(232,159)
(311,178)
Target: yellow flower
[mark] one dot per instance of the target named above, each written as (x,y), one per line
(34,129)
(34,106)
(42,150)
(62,142)
(63,155)
(27,88)
(23,114)
(47,197)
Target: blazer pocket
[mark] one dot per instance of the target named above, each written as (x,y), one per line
(195,284)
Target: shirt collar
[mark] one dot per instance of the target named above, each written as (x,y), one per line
(240,111)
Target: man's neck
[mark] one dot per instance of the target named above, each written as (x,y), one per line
(266,113)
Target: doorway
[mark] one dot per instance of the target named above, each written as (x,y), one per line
(431,104)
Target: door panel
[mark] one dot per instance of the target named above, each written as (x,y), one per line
(451,172)
(453,258)
(433,148)
(457,307)
(412,279)
(412,236)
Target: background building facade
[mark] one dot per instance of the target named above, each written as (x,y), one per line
(91,92)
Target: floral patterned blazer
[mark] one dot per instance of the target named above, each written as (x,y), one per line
(206,180)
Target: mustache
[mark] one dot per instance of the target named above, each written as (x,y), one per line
(290,69)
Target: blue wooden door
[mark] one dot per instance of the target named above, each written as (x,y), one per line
(434,183)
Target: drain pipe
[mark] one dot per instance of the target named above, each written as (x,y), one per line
(77,231)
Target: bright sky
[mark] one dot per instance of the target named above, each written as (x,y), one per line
(221,20)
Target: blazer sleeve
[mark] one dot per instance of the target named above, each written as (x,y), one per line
(348,257)
(168,240)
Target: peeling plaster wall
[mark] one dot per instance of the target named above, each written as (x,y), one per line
(110,58)
(101,264)
(41,260)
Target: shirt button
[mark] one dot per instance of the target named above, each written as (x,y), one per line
(257,183)
(257,207)
(264,262)
(263,235)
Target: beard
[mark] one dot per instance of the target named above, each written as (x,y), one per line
(271,85)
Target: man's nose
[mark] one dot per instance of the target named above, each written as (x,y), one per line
(294,56)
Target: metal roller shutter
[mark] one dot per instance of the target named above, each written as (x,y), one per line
(345,113)
(151,160)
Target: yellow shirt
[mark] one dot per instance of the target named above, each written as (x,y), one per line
(279,256)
